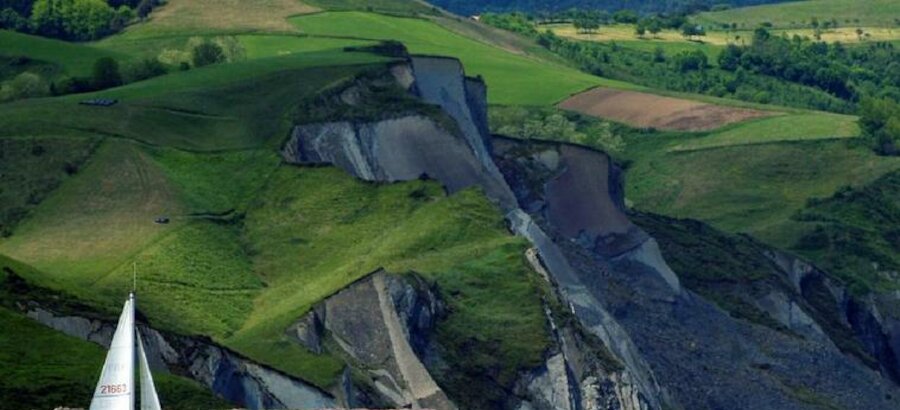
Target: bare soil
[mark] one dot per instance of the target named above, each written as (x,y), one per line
(645,110)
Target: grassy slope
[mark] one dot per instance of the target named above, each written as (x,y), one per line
(75,59)
(795,127)
(857,235)
(44,369)
(513,79)
(229,106)
(870,13)
(307,234)
(31,168)
(745,188)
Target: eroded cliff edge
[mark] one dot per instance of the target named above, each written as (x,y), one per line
(670,347)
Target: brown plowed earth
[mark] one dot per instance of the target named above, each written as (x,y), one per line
(645,110)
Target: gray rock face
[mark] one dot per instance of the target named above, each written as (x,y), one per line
(227,374)
(400,149)
(674,349)
(697,356)
(376,322)
(413,146)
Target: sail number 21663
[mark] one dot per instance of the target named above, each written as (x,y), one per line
(113,389)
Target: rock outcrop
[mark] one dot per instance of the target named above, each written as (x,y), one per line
(450,148)
(636,337)
(227,374)
(376,323)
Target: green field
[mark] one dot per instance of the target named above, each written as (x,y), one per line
(227,106)
(779,128)
(75,59)
(855,13)
(512,79)
(754,188)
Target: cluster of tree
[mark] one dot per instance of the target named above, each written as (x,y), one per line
(879,119)
(847,73)
(551,124)
(688,71)
(78,20)
(107,73)
(470,7)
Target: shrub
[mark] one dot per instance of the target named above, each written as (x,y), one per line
(9,19)
(143,69)
(106,73)
(24,85)
(207,53)
(72,85)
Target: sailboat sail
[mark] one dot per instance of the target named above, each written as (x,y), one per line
(115,390)
(149,400)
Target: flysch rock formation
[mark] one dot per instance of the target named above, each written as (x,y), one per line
(227,374)
(675,349)
(375,322)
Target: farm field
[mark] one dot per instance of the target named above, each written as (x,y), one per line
(778,129)
(858,13)
(643,110)
(715,39)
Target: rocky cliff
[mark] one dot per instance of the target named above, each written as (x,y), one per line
(229,375)
(630,334)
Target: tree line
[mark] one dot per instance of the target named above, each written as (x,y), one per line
(795,72)
(75,20)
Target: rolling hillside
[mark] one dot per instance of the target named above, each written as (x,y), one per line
(256,242)
(861,13)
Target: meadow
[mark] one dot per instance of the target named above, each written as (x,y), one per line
(856,13)
(745,188)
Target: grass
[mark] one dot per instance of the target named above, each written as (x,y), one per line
(795,127)
(625,32)
(263,45)
(75,59)
(31,168)
(349,228)
(229,106)
(754,189)
(43,368)
(860,13)
(512,79)
(857,234)
(402,7)
(295,236)
(206,17)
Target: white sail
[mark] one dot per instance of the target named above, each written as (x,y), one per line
(115,390)
(149,400)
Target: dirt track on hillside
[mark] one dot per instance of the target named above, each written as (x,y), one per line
(645,110)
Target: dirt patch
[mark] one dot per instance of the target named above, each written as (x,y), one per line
(653,111)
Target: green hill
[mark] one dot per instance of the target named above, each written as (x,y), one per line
(254,243)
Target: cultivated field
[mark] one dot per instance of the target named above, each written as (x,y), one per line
(645,110)
(715,39)
(852,13)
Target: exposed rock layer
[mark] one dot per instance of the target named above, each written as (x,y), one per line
(227,374)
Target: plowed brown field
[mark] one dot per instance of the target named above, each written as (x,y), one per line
(645,110)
